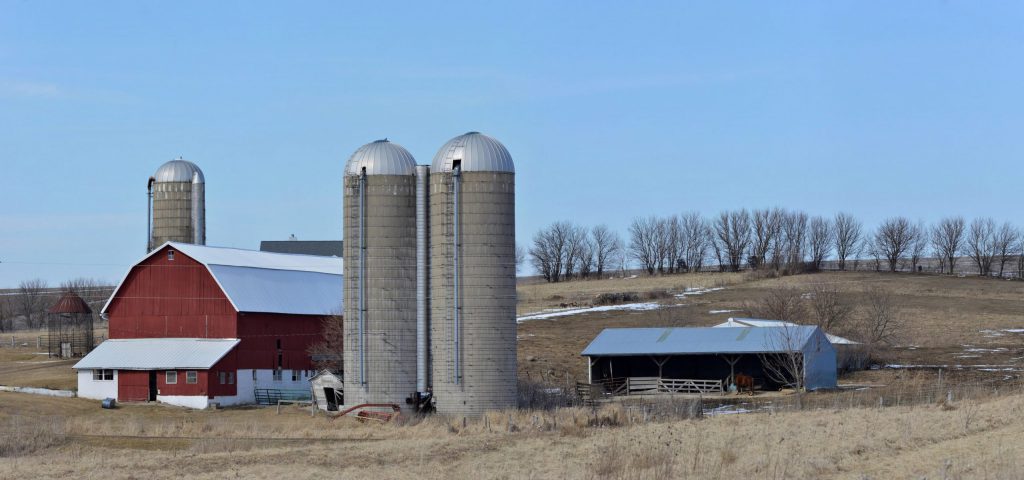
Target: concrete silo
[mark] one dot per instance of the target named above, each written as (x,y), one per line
(472,276)
(177,211)
(380,275)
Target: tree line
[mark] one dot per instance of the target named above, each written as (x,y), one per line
(775,239)
(26,306)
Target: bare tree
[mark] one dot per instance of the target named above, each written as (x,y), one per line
(31,300)
(947,240)
(520,257)
(1020,258)
(918,245)
(783,303)
(829,310)
(643,242)
(893,240)
(882,322)
(662,244)
(732,236)
(766,229)
(607,244)
(847,237)
(328,353)
(1005,244)
(793,242)
(586,256)
(674,241)
(980,244)
(696,236)
(575,248)
(6,314)
(819,241)
(549,250)
(785,365)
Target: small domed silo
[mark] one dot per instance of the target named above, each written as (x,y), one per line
(380,275)
(178,196)
(473,276)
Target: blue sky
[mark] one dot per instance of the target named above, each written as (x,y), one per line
(610,111)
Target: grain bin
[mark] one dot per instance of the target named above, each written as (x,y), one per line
(472,276)
(177,197)
(380,275)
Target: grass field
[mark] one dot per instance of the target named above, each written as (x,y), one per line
(949,321)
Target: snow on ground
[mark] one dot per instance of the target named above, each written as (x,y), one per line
(1000,333)
(693,291)
(564,312)
(716,312)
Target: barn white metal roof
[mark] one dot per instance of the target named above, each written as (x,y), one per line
(157,353)
(477,153)
(267,282)
(699,341)
(760,322)
(381,158)
(178,171)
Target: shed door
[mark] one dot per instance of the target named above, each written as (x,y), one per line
(332,402)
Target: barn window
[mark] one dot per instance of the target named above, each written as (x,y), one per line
(191,376)
(171,377)
(223,377)
(254,375)
(277,375)
(296,375)
(231,378)
(170,255)
(102,374)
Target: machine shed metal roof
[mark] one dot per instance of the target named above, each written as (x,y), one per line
(381,158)
(268,282)
(477,153)
(760,322)
(699,341)
(157,354)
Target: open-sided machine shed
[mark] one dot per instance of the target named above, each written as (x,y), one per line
(709,353)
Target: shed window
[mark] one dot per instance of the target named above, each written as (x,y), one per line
(171,377)
(170,255)
(231,378)
(102,374)
(223,377)
(191,376)
(296,375)
(277,375)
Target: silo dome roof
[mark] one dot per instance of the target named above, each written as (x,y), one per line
(178,171)
(381,158)
(478,153)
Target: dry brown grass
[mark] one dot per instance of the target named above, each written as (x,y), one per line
(896,442)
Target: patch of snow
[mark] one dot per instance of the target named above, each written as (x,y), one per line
(727,410)
(1014,330)
(716,312)
(692,291)
(546,315)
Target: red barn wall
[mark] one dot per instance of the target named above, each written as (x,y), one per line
(171,298)
(227,364)
(259,333)
(182,388)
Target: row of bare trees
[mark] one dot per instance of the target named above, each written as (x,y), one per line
(26,306)
(565,250)
(788,241)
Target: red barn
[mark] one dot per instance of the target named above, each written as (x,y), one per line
(192,324)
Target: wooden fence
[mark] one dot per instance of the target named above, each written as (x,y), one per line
(625,386)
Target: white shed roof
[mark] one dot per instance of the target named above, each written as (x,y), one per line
(157,353)
(268,282)
(760,322)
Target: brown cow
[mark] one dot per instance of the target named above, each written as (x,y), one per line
(744,381)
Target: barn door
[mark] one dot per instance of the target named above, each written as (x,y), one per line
(152,386)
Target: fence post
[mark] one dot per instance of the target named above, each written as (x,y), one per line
(12,341)
(39,342)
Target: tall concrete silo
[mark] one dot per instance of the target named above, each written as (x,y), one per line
(177,197)
(472,276)
(380,275)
